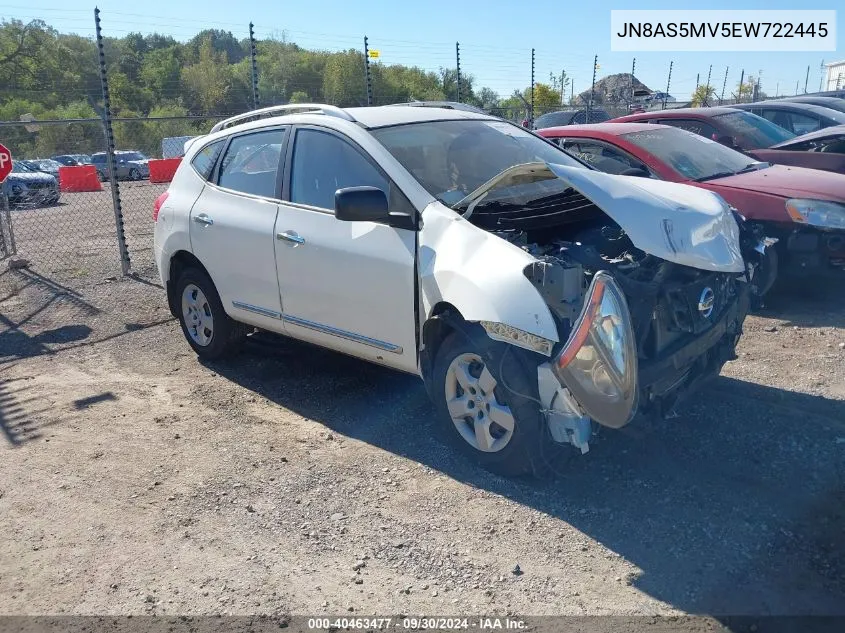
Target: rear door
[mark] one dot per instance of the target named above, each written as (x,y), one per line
(232,226)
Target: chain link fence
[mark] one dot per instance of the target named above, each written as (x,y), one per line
(60,226)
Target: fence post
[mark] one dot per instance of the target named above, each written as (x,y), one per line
(256,102)
(531,114)
(125,262)
(367,77)
(724,85)
(633,68)
(592,88)
(741,80)
(9,249)
(668,83)
(458,77)
(806,79)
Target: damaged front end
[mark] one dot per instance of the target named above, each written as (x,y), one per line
(649,294)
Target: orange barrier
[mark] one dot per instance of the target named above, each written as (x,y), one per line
(162,169)
(79,178)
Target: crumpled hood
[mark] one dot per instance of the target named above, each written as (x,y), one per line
(679,223)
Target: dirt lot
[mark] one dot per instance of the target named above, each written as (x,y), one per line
(292,480)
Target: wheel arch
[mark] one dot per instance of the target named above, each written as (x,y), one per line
(181,260)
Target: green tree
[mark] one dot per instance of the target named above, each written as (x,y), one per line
(300,97)
(208,81)
(703,96)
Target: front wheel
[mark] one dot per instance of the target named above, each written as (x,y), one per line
(205,324)
(134,174)
(486,395)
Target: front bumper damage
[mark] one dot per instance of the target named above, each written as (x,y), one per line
(659,383)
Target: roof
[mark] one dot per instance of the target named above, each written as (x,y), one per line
(825,132)
(369,117)
(836,115)
(679,112)
(611,129)
(381,116)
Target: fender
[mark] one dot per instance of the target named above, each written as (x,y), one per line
(478,273)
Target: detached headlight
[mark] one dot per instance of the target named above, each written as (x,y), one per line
(599,361)
(828,215)
(515,336)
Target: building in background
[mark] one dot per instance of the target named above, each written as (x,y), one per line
(835,75)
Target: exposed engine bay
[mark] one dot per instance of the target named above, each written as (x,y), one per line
(686,320)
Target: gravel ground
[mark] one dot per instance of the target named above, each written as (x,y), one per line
(137,480)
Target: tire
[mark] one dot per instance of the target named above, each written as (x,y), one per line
(208,329)
(134,174)
(528,448)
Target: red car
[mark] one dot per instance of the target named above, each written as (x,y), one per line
(803,208)
(743,131)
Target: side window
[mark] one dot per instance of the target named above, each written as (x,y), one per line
(779,118)
(801,124)
(691,125)
(323,163)
(251,163)
(204,160)
(606,158)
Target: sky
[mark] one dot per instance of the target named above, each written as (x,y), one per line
(496,37)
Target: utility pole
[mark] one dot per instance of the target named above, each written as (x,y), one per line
(592,88)
(741,85)
(668,83)
(821,73)
(697,76)
(707,97)
(806,79)
(367,76)
(724,85)
(796,88)
(458,61)
(531,114)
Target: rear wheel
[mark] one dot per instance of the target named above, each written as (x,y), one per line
(134,174)
(205,324)
(486,395)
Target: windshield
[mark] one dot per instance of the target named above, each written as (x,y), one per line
(690,155)
(453,158)
(48,164)
(132,156)
(19,167)
(752,131)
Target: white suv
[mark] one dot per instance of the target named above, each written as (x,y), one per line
(532,294)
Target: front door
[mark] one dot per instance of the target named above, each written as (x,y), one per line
(232,227)
(348,286)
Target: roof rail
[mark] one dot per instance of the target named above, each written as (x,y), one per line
(449,105)
(279,110)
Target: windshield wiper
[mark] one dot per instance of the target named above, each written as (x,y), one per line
(753,167)
(721,174)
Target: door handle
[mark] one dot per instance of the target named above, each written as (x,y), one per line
(203,218)
(291,236)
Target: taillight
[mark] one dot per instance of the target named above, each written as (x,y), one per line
(157,206)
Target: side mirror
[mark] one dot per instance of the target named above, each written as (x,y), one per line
(361,204)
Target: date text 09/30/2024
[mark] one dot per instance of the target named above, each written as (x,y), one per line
(415,623)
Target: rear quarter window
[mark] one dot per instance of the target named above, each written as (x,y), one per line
(205,159)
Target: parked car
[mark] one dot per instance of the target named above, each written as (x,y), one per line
(739,130)
(531,293)
(823,149)
(28,188)
(72,160)
(833,103)
(803,208)
(129,165)
(798,118)
(44,165)
(570,117)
